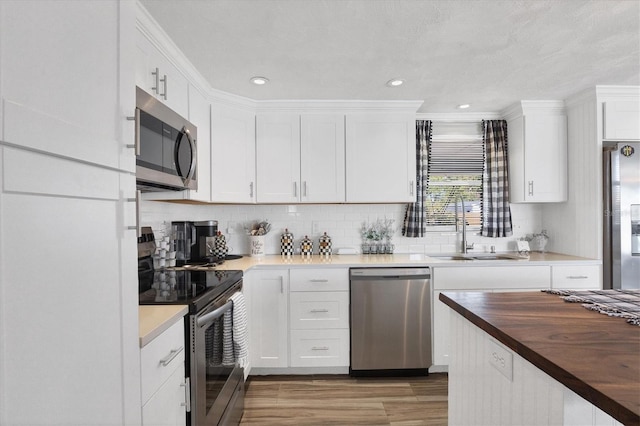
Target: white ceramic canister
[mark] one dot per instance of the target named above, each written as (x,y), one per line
(256,245)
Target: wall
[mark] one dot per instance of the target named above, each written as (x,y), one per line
(341,221)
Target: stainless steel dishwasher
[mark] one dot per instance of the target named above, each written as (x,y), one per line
(390,321)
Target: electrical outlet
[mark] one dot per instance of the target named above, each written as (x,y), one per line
(315,228)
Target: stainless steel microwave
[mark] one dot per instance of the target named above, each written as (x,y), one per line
(166,152)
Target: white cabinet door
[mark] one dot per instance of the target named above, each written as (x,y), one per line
(622,120)
(322,171)
(278,158)
(538,158)
(163,379)
(65,89)
(166,407)
(381,157)
(66,84)
(158,76)
(268,317)
(233,155)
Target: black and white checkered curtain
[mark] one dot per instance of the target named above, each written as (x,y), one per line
(414,218)
(496,214)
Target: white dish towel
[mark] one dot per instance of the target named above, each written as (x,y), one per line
(235,338)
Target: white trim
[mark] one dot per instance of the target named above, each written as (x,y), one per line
(550,107)
(310,105)
(459,116)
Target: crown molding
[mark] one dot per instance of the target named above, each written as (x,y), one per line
(345,106)
(549,107)
(459,117)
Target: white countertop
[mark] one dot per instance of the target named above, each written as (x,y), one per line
(154,319)
(350,260)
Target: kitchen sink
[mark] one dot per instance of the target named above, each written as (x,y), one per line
(479,256)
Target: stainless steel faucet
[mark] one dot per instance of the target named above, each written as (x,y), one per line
(465,247)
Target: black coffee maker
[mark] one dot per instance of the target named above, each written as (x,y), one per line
(193,241)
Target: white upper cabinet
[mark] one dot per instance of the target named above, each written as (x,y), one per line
(53,89)
(278,158)
(381,157)
(537,144)
(322,158)
(621,120)
(158,76)
(300,158)
(233,155)
(200,116)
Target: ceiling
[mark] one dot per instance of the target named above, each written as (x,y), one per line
(487,53)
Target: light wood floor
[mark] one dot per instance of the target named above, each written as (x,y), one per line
(343,400)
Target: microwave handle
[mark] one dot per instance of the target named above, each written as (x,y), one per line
(192,142)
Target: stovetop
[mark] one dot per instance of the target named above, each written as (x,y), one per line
(193,286)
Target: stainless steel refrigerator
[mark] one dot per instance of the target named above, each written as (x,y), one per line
(621,255)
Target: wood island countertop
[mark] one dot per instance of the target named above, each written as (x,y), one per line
(596,356)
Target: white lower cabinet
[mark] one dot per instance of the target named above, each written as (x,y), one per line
(268,301)
(576,277)
(163,384)
(298,317)
(481,278)
(320,348)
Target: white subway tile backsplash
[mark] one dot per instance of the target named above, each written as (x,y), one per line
(341,221)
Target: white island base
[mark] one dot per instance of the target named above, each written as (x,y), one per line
(489,384)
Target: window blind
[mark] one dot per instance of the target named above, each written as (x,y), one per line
(455,166)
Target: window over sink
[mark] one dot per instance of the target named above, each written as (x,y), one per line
(456,160)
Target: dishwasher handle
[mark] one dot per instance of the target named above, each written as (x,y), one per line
(389,273)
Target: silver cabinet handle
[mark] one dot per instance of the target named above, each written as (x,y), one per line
(319,281)
(281,284)
(174,353)
(164,81)
(156,74)
(295,189)
(251,190)
(530,187)
(577,277)
(320,348)
(411,188)
(319,311)
(304,188)
(136,137)
(187,394)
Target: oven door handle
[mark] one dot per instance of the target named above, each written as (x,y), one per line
(212,316)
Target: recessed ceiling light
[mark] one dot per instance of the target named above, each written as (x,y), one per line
(463,106)
(395,82)
(259,80)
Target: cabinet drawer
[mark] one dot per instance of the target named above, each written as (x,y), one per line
(492,277)
(575,277)
(319,348)
(316,310)
(160,358)
(319,279)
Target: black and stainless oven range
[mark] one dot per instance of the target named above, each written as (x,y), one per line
(216,385)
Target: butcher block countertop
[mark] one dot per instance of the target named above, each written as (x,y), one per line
(596,356)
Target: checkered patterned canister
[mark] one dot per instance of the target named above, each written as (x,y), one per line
(220,248)
(306,246)
(324,245)
(286,243)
